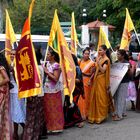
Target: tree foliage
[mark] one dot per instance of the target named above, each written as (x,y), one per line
(3,5)
(44,10)
(116,12)
(42,14)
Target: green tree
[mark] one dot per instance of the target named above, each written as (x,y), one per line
(44,10)
(3,5)
(19,12)
(43,13)
(116,12)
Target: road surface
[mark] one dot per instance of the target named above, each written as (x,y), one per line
(126,129)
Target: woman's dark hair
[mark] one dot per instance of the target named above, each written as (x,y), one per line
(3,62)
(91,45)
(86,49)
(75,59)
(38,55)
(107,52)
(123,53)
(53,53)
(103,47)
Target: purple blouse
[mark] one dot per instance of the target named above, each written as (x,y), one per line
(50,85)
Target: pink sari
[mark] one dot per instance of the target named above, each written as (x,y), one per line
(5,123)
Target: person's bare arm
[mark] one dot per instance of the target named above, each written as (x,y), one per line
(101,68)
(5,77)
(54,76)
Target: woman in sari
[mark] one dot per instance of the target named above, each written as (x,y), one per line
(100,96)
(5,125)
(87,68)
(54,116)
(72,113)
(35,110)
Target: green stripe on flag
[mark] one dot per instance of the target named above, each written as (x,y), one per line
(55,43)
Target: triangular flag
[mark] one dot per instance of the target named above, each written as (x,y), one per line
(74,39)
(128,27)
(10,38)
(58,43)
(103,40)
(53,42)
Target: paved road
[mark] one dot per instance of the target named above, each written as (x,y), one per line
(126,129)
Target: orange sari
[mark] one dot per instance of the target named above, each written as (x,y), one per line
(83,104)
(100,99)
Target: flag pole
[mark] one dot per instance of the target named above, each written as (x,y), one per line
(46,55)
(2,50)
(75,48)
(17,43)
(137,36)
(13,47)
(111,48)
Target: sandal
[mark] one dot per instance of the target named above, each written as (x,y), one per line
(124,115)
(116,118)
(113,116)
(80,125)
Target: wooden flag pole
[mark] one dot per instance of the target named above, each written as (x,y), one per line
(2,50)
(111,48)
(137,36)
(46,55)
(75,48)
(17,44)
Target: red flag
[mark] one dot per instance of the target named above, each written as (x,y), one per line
(26,69)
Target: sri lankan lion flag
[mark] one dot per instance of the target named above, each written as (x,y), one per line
(103,40)
(74,40)
(128,27)
(26,69)
(10,38)
(59,44)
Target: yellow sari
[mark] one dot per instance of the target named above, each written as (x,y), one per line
(99,99)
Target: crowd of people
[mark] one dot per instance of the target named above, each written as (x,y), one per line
(51,111)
